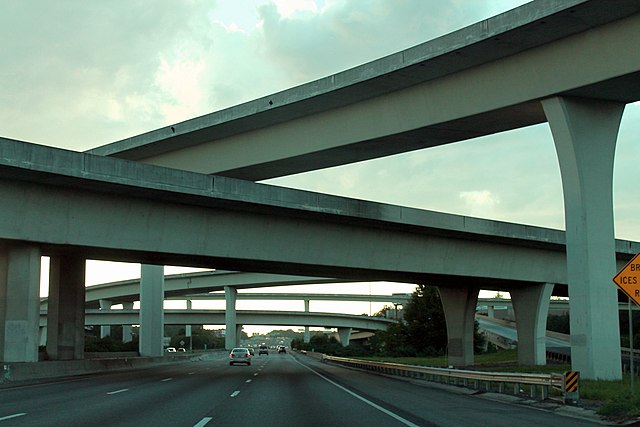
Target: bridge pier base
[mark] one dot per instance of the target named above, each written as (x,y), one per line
(459,305)
(531,306)
(230,321)
(151,310)
(19,302)
(585,132)
(65,310)
(344,334)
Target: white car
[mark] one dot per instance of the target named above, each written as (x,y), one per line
(171,350)
(240,355)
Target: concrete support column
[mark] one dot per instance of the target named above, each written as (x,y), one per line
(531,307)
(127,330)
(230,334)
(491,313)
(42,336)
(585,133)
(19,302)
(151,310)
(459,305)
(344,335)
(65,312)
(105,330)
(238,335)
(307,332)
(187,328)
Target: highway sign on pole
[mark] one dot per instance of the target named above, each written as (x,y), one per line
(628,279)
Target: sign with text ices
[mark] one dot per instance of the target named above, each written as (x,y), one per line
(628,279)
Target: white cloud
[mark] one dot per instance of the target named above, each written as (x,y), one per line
(482,199)
(291,8)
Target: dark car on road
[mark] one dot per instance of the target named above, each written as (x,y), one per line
(263,349)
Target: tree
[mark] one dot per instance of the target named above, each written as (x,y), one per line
(426,325)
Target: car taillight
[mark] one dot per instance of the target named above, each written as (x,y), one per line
(230,354)
(246,355)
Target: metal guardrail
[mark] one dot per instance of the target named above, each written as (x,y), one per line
(538,384)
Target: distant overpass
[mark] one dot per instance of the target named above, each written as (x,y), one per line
(244,317)
(195,283)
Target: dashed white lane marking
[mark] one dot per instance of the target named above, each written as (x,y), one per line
(191,373)
(357,396)
(255,375)
(8,417)
(235,393)
(248,381)
(203,422)
(122,390)
(167,379)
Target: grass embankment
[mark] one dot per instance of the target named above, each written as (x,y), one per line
(611,398)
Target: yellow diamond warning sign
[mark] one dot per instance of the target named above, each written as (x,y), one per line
(628,279)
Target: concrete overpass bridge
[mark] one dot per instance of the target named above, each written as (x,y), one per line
(570,63)
(74,206)
(345,323)
(178,285)
(183,286)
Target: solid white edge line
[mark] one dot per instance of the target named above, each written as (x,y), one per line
(203,422)
(357,396)
(247,381)
(235,393)
(122,390)
(166,379)
(8,417)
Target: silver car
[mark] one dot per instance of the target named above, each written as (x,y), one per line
(240,355)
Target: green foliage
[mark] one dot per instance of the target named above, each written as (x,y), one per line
(424,332)
(289,333)
(426,326)
(201,338)
(323,343)
(383,311)
(558,323)
(94,344)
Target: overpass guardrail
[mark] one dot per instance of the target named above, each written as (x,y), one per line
(539,385)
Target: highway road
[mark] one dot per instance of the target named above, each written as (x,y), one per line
(276,390)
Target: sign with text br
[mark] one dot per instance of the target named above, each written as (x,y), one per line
(628,279)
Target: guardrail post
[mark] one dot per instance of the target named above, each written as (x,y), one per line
(534,391)
(545,392)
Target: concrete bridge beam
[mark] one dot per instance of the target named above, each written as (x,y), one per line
(585,132)
(19,302)
(65,311)
(531,306)
(230,321)
(459,305)
(151,310)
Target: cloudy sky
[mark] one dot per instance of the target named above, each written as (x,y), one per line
(79,74)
